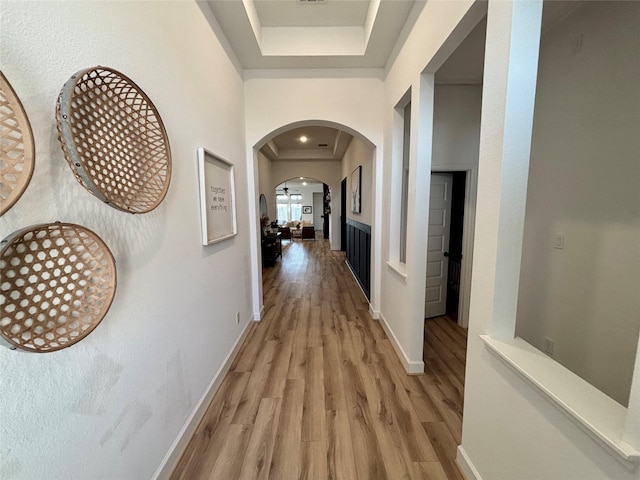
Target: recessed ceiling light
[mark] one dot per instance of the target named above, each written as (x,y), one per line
(301,178)
(303,139)
(304,183)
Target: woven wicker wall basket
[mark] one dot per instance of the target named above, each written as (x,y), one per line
(58,282)
(114,140)
(17,150)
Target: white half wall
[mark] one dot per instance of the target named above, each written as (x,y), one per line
(111,406)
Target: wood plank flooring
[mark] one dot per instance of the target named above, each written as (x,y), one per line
(317,391)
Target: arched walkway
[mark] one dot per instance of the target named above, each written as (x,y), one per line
(331,177)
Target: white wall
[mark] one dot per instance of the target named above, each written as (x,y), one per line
(353,103)
(584,183)
(359,154)
(266,185)
(456,126)
(111,406)
(347,99)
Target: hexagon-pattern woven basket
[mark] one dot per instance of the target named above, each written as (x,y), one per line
(17,151)
(57,283)
(114,140)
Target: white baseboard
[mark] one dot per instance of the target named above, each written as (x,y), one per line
(257,316)
(176,450)
(412,368)
(375,314)
(466,465)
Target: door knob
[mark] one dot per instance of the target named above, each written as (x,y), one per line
(446,254)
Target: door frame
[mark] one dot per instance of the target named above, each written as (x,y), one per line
(468,229)
(318,209)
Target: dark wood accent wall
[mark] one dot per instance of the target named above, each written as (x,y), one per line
(359,252)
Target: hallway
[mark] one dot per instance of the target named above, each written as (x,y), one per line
(317,390)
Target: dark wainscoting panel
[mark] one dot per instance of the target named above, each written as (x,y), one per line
(359,252)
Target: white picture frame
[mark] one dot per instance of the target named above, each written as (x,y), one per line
(217,197)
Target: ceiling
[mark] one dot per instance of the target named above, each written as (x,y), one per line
(301,34)
(298,34)
(295,18)
(295,34)
(466,64)
(323,143)
(339,13)
(295,184)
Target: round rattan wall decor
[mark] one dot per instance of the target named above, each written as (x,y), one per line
(57,283)
(17,150)
(114,140)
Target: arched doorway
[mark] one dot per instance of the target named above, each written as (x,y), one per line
(300,201)
(281,155)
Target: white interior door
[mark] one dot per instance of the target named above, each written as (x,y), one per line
(435,303)
(318,206)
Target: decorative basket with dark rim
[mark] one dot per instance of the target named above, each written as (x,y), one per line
(17,150)
(114,140)
(58,282)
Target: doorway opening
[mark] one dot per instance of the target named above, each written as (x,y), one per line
(315,149)
(445,244)
(449,253)
(299,202)
(455,244)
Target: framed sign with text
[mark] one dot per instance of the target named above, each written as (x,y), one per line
(217,198)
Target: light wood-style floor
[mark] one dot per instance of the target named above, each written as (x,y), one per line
(317,391)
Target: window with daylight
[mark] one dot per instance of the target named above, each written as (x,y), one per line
(289,207)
